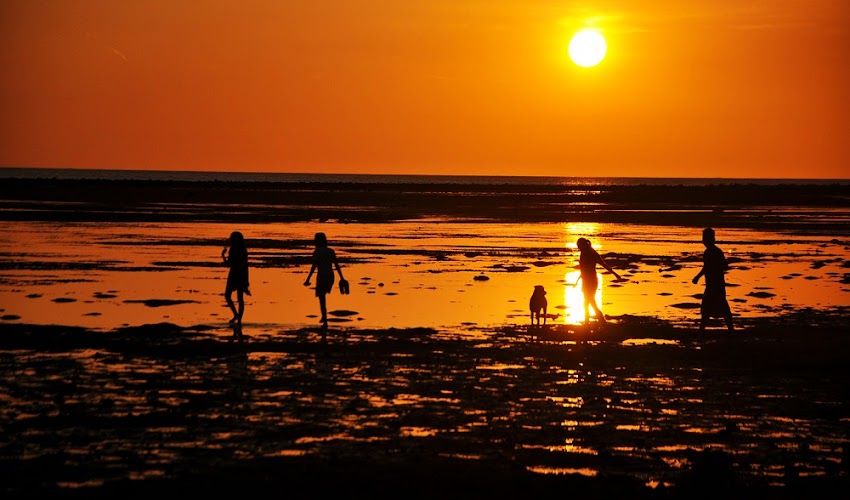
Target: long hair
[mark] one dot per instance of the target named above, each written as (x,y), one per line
(238,250)
(320,240)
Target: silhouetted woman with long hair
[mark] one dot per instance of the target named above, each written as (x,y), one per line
(587,262)
(237,277)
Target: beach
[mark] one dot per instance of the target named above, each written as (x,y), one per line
(639,408)
(122,376)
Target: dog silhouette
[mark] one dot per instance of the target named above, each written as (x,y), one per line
(538,304)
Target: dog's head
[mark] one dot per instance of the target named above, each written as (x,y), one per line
(539,291)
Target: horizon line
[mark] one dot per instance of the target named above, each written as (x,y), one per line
(371,174)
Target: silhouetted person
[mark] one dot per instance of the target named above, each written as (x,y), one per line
(587,262)
(714,267)
(324,262)
(237,277)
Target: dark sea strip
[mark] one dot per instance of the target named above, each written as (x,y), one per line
(194,176)
(813,207)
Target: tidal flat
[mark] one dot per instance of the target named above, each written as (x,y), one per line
(123,377)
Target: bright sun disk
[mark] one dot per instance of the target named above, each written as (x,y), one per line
(587,48)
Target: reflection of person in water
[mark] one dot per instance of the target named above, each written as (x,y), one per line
(237,331)
(587,262)
(324,262)
(237,278)
(714,304)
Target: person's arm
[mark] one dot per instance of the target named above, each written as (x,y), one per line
(312,269)
(698,276)
(606,266)
(338,269)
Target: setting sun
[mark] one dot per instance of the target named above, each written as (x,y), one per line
(587,48)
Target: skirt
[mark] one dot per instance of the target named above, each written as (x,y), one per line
(324,284)
(714,304)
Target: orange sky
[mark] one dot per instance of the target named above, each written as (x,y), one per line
(697,88)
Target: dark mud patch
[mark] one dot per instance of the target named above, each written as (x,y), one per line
(161,302)
(343,313)
(761,295)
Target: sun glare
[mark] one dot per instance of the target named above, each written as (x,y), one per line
(574,298)
(587,48)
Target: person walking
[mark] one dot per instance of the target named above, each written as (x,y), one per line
(324,262)
(587,262)
(714,304)
(235,256)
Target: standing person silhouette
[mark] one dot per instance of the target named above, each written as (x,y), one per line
(236,259)
(588,259)
(714,304)
(324,262)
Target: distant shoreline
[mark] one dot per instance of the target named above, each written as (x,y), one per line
(305,177)
(821,208)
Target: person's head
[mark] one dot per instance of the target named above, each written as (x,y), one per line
(320,240)
(583,243)
(708,236)
(236,239)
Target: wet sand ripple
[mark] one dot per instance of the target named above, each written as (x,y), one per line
(474,413)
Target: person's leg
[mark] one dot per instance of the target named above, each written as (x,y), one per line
(590,295)
(729,325)
(586,308)
(323,307)
(228,297)
(241,300)
(599,315)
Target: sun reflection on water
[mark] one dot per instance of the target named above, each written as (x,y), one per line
(104,276)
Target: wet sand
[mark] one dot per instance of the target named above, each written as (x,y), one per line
(102,254)
(640,408)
